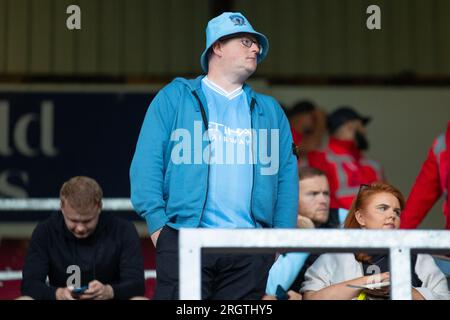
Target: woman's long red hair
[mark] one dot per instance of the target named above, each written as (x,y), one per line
(360,202)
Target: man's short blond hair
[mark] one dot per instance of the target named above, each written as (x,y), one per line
(81,193)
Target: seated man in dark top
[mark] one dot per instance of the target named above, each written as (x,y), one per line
(313,212)
(84,254)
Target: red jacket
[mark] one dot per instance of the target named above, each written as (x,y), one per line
(431,183)
(296,136)
(346,169)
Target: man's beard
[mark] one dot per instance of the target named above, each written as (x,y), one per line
(361,141)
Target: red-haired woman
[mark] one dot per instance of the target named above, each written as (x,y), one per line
(377,206)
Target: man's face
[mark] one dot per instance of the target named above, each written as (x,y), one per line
(354,126)
(314,199)
(354,130)
(240,54)
(80,224)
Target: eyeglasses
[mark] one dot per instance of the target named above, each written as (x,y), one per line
(249,42)
(361,187)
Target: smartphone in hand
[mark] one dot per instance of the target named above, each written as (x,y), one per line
(80,290)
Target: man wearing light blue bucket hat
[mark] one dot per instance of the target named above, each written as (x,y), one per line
(213,153)
(231,25)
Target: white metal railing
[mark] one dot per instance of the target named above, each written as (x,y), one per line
(398,243)
(10,275)
(17,275)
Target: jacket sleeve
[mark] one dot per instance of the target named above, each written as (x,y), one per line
(434,284)
(36,267)
(287,198)
(424,194)
(132,281)
(321,273)
(147,167)
(285,270)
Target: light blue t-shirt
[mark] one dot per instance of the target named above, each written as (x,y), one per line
(231,168)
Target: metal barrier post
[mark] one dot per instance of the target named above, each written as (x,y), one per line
(190,267)
(400,267)
(398,242)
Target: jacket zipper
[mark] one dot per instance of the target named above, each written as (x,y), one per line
(205,124)
(252,106)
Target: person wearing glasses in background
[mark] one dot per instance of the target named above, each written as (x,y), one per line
(341,275)
(174,187)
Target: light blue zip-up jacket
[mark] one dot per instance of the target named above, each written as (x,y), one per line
(164,192)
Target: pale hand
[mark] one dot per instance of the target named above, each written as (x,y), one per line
(155,236)
(64,294)
(97,291)
(304,222)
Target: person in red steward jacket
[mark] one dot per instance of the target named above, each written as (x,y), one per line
(432,182)
(343,160)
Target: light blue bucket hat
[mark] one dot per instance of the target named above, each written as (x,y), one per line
(229,23)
